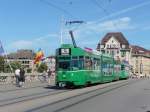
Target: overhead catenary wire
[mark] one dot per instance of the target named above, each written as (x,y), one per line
(104,10)
(121,12)
(58,8)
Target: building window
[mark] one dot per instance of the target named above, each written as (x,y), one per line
(123,54)
(117,51)
(107,46)
(114,46)
(123,46)
(112,53)
(102,46)
(107,52)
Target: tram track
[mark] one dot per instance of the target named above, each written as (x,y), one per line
(89,95)
(24,98)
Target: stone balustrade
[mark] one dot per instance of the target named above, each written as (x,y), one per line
(9,78)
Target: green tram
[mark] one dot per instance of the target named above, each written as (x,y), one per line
(78,67)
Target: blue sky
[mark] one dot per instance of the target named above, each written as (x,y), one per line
(33,24)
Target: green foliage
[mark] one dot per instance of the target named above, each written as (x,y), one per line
(29,70)
(2,62)
(7,68)
(15,65)
(42,67)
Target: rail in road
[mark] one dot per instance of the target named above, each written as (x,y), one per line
(24,98)
(79,95)
(22,88)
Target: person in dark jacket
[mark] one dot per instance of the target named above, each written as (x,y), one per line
(22,77)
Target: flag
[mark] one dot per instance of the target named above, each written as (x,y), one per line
(1,49)
(38,57)
(88,49)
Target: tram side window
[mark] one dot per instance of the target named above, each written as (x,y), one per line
(116,68)
(110,68)
(107,68)
(75,64)
(64,65)
(122,67)
(96,64)
(88,63)
(81,64)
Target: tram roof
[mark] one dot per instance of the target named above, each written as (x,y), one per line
(79,51)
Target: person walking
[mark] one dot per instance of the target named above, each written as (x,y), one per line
(17,75)
(22,77)
(49,76)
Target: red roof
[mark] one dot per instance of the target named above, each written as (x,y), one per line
(117,35)
(139,50)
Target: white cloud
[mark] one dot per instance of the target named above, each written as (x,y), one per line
(90,33)
(106,26)
(126,10)
(45,42)
(86,35)
(22,44)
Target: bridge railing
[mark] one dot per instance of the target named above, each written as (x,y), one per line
(8,78)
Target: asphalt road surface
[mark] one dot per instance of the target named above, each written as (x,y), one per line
(121,96)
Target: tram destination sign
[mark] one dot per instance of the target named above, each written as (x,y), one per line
(65,51)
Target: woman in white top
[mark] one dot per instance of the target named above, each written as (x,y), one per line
(17,75)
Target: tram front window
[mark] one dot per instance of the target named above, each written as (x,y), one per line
(64,65)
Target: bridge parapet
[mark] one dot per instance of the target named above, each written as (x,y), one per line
(9,78)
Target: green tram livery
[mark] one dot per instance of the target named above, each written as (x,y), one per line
(79,67)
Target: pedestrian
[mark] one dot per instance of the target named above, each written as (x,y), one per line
(17,75)
(22,77)
(49,76)
(44,75)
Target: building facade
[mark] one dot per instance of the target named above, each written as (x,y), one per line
(51,63)
(24,57)
(140,61)
(115,44)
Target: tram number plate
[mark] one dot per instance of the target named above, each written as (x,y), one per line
(65,52)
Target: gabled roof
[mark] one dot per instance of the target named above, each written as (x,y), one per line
(139,50)
(117,35)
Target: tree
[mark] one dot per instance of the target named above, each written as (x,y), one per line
(15,65)
(42,67)
(29,70)
(2,62)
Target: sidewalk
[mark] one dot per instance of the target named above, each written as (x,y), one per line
(11,87)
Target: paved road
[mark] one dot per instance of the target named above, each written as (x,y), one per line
(133,97)
(10,94)
(122,96)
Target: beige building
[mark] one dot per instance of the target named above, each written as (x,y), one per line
(50,62)
(115,44)
(25,57)
(140,61)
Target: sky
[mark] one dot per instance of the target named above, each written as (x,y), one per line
(34,24)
